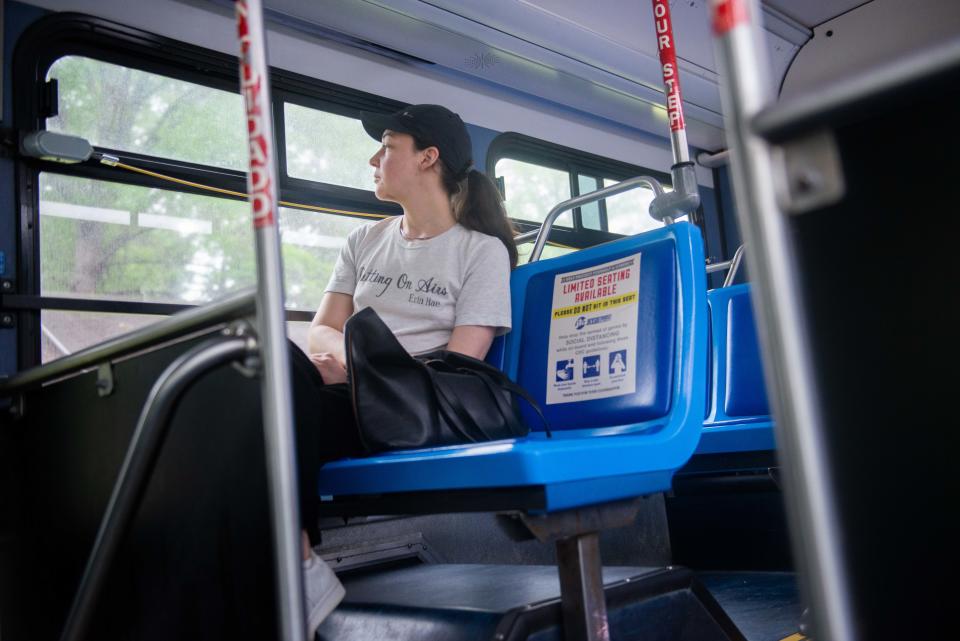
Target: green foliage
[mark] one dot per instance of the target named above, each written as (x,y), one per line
(123,108)
(328,148)
(532,191)
(106,239)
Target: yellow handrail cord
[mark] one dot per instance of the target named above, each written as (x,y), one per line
(110,162)
(240,194)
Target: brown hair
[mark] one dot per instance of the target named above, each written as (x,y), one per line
(477,203)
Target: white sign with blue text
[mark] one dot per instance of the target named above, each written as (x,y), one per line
(593,332)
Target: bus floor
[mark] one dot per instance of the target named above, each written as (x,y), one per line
(765,606)
(426,601)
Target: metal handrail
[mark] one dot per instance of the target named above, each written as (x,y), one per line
(593,196)
(142,455)
(230,308)
(713,161)
(519,239)
(732,266)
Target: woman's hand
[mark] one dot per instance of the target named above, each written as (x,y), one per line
(330,370)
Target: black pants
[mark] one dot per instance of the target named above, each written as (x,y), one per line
(326,430)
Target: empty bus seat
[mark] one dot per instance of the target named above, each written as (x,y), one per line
(726,509)
(738,414)
(604,448)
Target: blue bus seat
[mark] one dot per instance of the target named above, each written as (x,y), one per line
(738,415)
(603,449)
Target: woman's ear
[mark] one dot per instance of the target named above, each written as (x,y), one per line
(429,157)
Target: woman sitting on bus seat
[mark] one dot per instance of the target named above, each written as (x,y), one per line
(439,277)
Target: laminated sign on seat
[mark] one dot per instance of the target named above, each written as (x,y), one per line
(593,328)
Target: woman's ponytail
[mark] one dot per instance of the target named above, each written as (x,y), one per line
(478,205)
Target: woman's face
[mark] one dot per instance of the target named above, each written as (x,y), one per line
(397,167)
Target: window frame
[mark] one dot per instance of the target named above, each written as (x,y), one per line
(516,146)
(72,34)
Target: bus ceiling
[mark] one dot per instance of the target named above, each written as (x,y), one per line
(602,60)
(597,61)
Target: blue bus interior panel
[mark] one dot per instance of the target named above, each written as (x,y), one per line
(738,419)
(602,450)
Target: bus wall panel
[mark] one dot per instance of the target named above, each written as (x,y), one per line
(197,562)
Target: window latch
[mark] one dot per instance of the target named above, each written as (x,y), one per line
(105,379)
(50,99)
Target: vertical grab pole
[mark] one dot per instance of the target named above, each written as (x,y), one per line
(784,338)
(277,405)
(666,47)
(685,197)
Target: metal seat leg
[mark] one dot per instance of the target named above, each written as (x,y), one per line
(581,588)
(577,535)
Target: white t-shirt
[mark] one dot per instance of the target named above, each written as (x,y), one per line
(422,289)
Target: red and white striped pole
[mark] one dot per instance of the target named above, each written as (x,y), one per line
(787,357)
(271,321)
(685,197)
(666,46)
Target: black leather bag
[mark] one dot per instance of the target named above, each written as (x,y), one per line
(440,398)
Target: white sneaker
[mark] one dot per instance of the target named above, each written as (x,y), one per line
(324,591)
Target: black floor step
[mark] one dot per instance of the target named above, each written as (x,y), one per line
(765,605)
(514,602)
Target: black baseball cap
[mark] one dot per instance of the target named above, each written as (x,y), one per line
(436,125)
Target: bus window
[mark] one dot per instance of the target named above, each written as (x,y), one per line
(131,110)
(328,148)
(112,241)
(65,332)
(311,243)
(549,251)
(591,214)
(537,175)
(532,190)
(136,251)
(109,241)
(627,213)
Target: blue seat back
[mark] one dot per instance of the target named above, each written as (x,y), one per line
(661,330)
(745,394)
(738,415)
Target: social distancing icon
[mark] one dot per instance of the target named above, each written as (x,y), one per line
(591,366)
(618,362)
